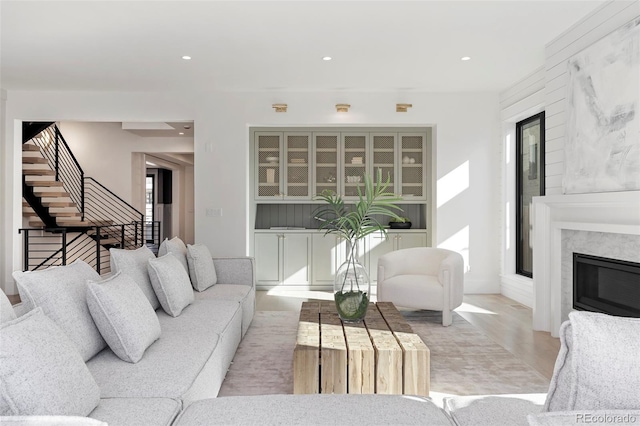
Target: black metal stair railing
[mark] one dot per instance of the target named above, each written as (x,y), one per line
(62,161)
(106,219)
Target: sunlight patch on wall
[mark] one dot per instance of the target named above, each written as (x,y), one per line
(459,242)
(507,149)
(453,183)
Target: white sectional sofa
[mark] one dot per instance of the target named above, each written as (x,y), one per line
(177,379)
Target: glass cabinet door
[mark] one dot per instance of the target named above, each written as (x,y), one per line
(268,165)
(384,157)
(326,154)
(298,170)
(413,179)
(354,156)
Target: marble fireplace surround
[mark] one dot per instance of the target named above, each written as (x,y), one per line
(610,212)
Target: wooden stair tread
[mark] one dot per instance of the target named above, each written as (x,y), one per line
(58,203)
(34,160)
(64,214)
(30,147)
(44,183)
(38,172)
(50,194)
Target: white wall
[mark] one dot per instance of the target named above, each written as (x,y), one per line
(104,151)
(466,134)
(598,24)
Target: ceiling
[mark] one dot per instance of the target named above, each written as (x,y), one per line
(160,129)
(277,45)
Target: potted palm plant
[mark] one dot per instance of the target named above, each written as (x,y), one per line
(352,223)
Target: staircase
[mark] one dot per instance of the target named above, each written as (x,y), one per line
(70,216)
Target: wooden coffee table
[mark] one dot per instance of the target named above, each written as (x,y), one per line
(381,355)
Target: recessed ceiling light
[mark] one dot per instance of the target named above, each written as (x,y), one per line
(186,58)
(326,58)
(465,58)
(181,133)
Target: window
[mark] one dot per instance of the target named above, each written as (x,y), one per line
(530,183)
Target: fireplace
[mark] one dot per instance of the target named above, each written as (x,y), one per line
(605,285)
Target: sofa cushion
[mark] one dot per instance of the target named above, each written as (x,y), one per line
(41,371)
(242,294)
(171,284)
(319,409)
(6,310)
(61,292)
(171,365)
(136,411)
(493,410)
(572,418)
(201,269)
(134,264)
(176,247)
(123,315)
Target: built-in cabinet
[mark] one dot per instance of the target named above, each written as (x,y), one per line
(283,258)
(292,166)
(311,259)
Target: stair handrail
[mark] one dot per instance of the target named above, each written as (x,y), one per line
(115,195)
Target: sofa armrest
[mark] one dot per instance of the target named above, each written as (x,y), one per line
(235,270)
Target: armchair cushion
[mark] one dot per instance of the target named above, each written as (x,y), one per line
(413,291)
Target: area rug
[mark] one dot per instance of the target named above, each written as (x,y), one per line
(464,361)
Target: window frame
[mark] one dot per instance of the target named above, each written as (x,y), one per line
(519,183)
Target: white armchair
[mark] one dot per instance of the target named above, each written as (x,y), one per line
(422,278)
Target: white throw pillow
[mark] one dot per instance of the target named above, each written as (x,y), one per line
(201,269)
(41,371)
(597,366)
(134,264)
(6,310)
(176,247)
(61,292)
(171,284)
(124,316)
(50,421)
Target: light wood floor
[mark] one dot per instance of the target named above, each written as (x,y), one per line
(504,320)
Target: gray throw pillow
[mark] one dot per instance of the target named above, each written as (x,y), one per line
(6,310)
(572,418)
(134,264)
(124,316)
(41,371)
(171,284)
(605,362)
(201,269)
(563,375)
(176,247)
(61,292)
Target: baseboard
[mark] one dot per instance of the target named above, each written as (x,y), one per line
(518,288)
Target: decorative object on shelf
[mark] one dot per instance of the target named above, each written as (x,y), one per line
(354,179)
(343,107)
(279,107)
(407,160)
(272,159)
(351,287)
(356,160)
(271,175)
(403,107)
(400,223)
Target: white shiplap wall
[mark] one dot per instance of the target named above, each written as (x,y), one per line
(602,21)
